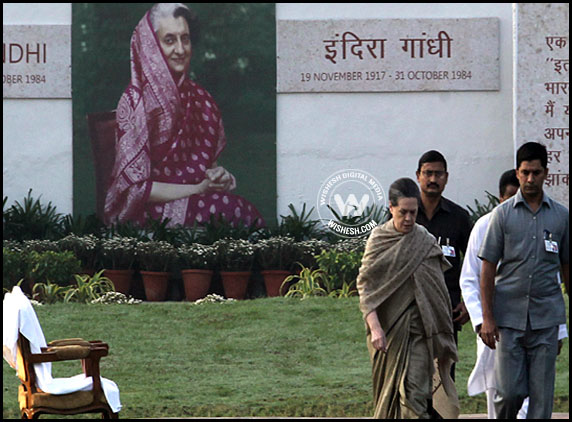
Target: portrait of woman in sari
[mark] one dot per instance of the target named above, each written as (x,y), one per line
(170,134)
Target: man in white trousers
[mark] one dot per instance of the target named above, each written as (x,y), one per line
(482,378)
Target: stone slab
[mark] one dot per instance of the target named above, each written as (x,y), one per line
(36,61)
(542,82)
(388,55)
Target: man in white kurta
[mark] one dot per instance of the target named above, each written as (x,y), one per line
(482,378)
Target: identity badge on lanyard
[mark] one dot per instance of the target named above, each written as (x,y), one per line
(447,249)
(549,244)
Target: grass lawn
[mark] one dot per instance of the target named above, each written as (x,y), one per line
(263,357)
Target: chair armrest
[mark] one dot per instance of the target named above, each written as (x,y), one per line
(70,352)
(68,342)
(75,342)
(99,344)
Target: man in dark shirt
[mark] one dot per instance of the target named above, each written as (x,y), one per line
(448,222)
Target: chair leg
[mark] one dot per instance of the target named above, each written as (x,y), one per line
(28,414)
(108,414)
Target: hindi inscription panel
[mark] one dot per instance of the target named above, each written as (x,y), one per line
(542,96)
(385,55)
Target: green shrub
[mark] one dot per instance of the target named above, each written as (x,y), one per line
(341,267)
(218,228)
(338,268)
(161,231)
(31,220)
(299,226)
(482,209)
(48,293)
(87,289)
(126,229)
(307,284)
(13,264)
(82,225)
(50,266)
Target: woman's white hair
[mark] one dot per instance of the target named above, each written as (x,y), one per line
(162,10)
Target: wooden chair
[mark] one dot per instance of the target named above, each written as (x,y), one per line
(25,349)
(103,134)
(34,402)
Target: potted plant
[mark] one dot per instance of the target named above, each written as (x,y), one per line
(276,257)
(84,248)
(118,256)
(235,259)
(197,262)
(155,259)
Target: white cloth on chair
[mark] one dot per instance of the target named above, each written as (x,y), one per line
(19,317)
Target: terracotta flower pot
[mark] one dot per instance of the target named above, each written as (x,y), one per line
(235,283)
(273,280)
(196,283)
(121,279)
(155,284)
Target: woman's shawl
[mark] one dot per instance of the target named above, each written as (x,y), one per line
(398,268)
(150,115)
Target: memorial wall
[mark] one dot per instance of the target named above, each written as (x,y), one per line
(368,87)
(37,105)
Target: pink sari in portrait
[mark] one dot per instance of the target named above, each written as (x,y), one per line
(168,131)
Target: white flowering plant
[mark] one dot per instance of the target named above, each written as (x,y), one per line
(196,256)
(118,253)
(234,254)
(115,298)
(213,298)
(156,255)
(276,253)
(84,248)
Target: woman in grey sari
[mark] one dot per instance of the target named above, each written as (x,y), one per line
(407,310)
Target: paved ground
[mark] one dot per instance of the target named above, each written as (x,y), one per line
(473,416)
(484,416)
